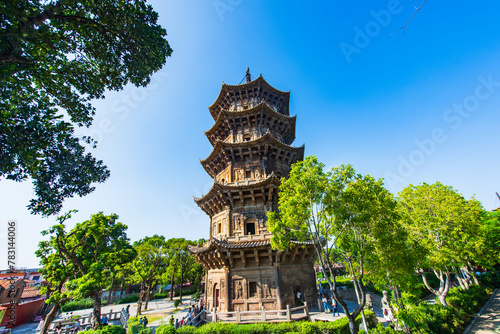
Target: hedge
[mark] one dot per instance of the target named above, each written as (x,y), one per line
(77,305)
(340,326)
(110,329)
(454,318)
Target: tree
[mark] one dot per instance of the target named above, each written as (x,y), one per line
(182,259)
(91,248)
(56,270)
(351,218)
(442,226)
(150,263)
(56,57)
(489,250)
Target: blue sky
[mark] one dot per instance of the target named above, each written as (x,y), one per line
(412,108)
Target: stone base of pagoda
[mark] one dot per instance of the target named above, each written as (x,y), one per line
(271,284)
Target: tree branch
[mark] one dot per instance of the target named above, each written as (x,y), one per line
(415,13)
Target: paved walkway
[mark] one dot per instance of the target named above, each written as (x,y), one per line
(163,307)
(489,320)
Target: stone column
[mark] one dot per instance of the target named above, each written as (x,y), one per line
(278,287)
(226,291)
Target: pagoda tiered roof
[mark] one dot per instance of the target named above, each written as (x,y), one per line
(261,240)
(264,146)
(220,254)
(222,195)
(259,115)
(253,92)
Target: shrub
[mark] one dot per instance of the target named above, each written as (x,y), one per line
(340,326)
(490,280)
(165,329)
(380,329)
(161,295)
(446,319)
(196,295)
(79,304)
(110,329)
(128,299)
(177,302)
(133,325)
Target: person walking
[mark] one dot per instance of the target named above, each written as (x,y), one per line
(40,325)
(326,308)
(76,326)
(335,307)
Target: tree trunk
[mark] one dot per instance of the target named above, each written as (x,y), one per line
(139,301)
(148,293)
(360,292)
(444,285)
(471,273)
(352,326)
(182,281)
(111,289)
(442,299)
(52,314)
(96,312)
(122,287)
(172,284)
(461,281)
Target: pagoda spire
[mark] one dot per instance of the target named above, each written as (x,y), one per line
(248,76)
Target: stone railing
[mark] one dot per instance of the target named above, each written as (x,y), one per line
(350,294)
(86,321)
(290,314)
(250,237)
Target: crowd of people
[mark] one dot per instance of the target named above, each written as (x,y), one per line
(193,311)
(329,303)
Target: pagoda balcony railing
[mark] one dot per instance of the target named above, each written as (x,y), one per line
(249,237)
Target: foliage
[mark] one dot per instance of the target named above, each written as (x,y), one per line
(128,299)
(77,305)
(151,261)
(90,248)
(380,329)
(133,325)
(183,260)
(351,218)
(489,279)
(196,295)
(442,227)
(340,326)
(177,302)
(436,318)
(165,329)
(58,56)
(110,329)
(489,251)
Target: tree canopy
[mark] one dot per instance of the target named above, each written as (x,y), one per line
(151,262)
(443,228)
(55,58)
(350,217)
(89,250)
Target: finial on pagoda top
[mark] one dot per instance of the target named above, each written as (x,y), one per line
(249,77)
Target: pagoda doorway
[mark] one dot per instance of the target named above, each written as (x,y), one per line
(216,296)
(250,227)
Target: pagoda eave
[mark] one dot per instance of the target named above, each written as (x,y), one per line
(221,196)
(217,130)
(225,152)
(260,82)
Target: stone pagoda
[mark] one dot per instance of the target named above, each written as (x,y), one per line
(251,141)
